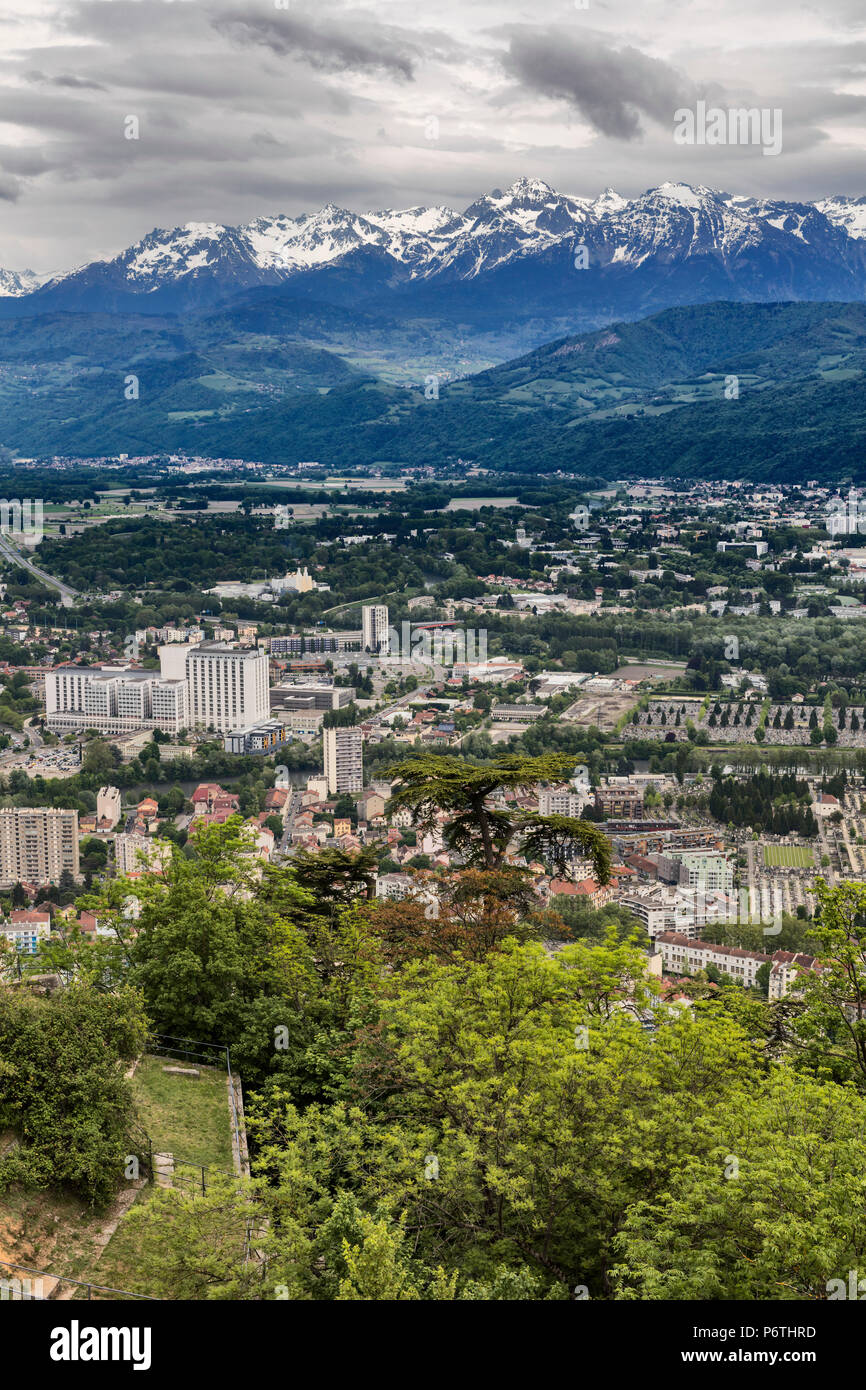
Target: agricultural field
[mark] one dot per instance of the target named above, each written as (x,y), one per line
(788,857)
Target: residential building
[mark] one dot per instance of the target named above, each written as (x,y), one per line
(682,956)
(137,854)
(37,844)
(343,754)
(786,971)
(586,888)
(108,807)
(559,801)
(304,643)
(25,928)
(620,803)
(711,872)
(263,737)
(212,801)
(370,805)
(374,627)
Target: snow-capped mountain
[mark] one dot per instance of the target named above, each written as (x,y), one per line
(679,244)
(15,283)
(849,213)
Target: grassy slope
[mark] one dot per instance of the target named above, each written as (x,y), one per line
(59,1233)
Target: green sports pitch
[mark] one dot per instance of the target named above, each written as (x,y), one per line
(788,857)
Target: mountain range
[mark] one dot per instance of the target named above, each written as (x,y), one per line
(546,261)
(551,332)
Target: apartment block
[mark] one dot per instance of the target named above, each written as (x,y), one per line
(136,854)
(343,753)
(709,872)
(559,801)
(620,803)
(37,844)
(265,737)
(374,627)
(682,956)
(304,643)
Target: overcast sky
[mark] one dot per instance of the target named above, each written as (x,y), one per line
(248,107)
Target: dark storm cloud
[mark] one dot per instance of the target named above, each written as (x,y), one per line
(358,45)
(610,87)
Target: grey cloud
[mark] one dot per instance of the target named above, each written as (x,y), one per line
(359,45)
(127,21)
(63,79)
(610,87)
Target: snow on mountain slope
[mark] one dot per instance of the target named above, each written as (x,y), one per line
(15,283)
(673,224)
(848,213)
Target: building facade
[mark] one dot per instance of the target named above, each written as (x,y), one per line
(137,854)
(374,627)
(37,844)
(114,700)
(228,687)
(682,956)
(343,751)
(108,805)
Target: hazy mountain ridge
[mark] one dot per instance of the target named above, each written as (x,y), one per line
(642,398)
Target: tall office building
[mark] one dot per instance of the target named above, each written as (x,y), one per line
(37,844)
(374,627)
(228,687)
(344,760)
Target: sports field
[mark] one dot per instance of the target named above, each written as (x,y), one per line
(788,857)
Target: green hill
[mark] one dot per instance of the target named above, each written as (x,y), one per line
(720,390)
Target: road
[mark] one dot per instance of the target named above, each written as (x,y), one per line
(293,806)
(34,733)
(68,595)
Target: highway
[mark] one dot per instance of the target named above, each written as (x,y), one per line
(68,595)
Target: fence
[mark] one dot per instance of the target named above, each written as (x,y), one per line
(38,1286)
(169,1170)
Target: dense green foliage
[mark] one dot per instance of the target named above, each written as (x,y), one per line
(440,1108)
(63,1093)
(642,398)
(765,803)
